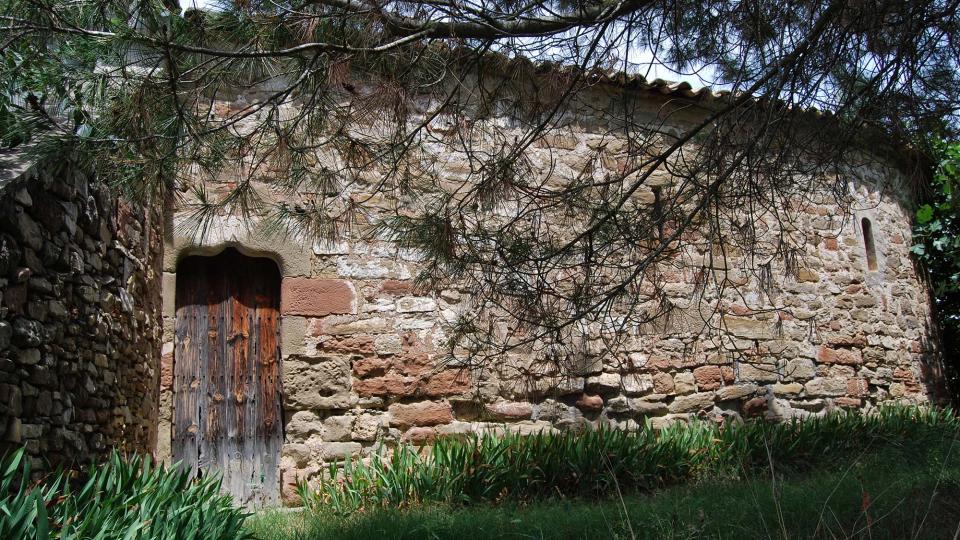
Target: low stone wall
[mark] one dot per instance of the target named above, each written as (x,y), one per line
(79,326)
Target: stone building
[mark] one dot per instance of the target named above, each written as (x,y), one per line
(360,353)
(269,356)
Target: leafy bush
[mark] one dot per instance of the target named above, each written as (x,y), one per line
(130,499)
(599,463)
(936,234)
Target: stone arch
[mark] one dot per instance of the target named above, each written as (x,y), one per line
(292,256)
(243,249)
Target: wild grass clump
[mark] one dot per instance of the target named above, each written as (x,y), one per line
(122,498)
(488,468)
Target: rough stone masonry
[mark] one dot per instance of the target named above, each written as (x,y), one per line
(79,323)
(362,350)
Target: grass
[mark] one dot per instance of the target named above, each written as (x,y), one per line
(899,478)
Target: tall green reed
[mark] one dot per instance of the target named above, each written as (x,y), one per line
(489,468)
(122,498)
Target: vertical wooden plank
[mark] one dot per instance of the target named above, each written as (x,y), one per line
(255,439)
(187,434)
(229,264)
(215,421)
(242,306)
(201,330)
(183,445)
(269,407)
(208,363)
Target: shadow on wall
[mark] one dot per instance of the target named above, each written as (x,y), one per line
(209,280)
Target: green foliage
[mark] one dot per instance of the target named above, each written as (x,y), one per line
(512,467)
(895,477)
(937,236)
(122,498)
(937,223)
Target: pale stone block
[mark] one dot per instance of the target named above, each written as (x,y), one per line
(337,428)
(386,344)
(748,328)
(684,383)
(416,304)
(604,382)
(293,331)
(692,402)
(636,384)
(363,269)
(823,386)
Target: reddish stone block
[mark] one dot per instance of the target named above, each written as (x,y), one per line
(388,385)
(858,387)
(831,244)
(166,371)
(712,377)
(446,383)
(288,488)
(847,402)
(689,362)
(510,410)
(414,363)
(396,287)
(829,355)
(662,363)
(588,402)
(313,297)
(371,367)
(425,413)
(909,380)
(361,345)
(419,436)
(755,407)
(902,375)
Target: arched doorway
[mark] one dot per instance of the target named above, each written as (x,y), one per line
(227,395)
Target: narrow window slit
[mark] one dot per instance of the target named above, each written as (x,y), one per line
(868,244)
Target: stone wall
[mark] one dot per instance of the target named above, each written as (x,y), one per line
(79,325)
(363,357)
(365,363)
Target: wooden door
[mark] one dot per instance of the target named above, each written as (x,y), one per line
(227,415)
